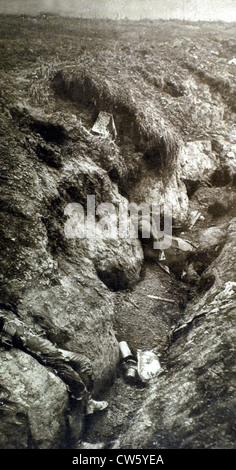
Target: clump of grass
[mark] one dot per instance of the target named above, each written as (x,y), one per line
(137,119)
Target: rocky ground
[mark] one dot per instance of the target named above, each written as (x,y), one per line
(170,87)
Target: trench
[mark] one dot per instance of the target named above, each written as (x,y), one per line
(145,324)
(142,322)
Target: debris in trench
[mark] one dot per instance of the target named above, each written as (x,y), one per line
(129,362)
(181,244)
(145,368)
(161,299)
(93,406)
(190,275)
(174,258)
(164,267)
(149,365)
(162,256)
(195,215)
(104,125)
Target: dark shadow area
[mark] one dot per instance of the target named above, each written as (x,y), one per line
(114,279)
(173,89)
(153,159)
(217,209)
(49,157)
(206,282)
(191,187)
(221,178)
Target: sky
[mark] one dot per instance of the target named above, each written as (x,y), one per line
(205,10)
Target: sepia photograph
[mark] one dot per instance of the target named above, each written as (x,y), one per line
(118,229)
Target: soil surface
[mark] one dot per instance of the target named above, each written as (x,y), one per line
(170,87)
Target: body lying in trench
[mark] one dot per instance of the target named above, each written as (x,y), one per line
(73,368)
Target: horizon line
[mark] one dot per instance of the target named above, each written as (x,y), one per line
(103,18)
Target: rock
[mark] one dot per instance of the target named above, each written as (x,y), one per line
(219,145)
(33,403)
(211,237)
(196,161)
(153,190)
(226,170)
